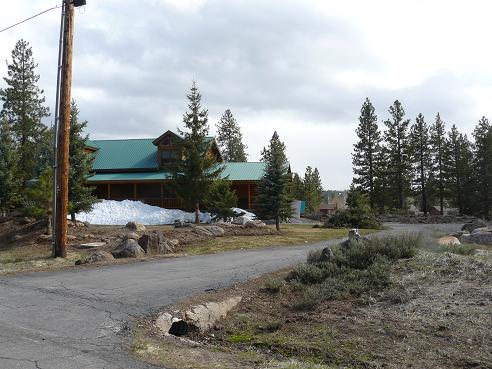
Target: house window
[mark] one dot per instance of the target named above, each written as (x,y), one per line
(166,141)
(167,155)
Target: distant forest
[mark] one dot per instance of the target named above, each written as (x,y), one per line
(422,164)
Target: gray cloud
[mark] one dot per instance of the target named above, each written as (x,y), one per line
(277,64)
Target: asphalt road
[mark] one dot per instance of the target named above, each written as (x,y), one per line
(81,318)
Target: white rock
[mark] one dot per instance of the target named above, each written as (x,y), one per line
(448,240)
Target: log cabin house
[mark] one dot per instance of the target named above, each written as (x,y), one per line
(138,169)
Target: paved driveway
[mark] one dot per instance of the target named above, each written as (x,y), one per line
(80,318)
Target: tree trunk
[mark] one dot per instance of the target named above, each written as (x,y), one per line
(48,225)
(72,217)
(197,213)
(277,223)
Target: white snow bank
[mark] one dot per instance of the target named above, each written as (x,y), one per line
(110,212)
(246,214)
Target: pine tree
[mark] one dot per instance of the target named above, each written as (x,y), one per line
(297,187)
(313,189)
(230,139)
(382,184)
(10,185)
(421,159)
(221,200)
(437,139)
(80,196)
(366,151)
(39,198)
(23,109)
(397,148)
(193,176)
(456,162)
(482,167)
(273,199)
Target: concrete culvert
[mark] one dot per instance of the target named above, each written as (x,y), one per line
(179,328)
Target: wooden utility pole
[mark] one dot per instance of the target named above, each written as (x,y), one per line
(63,132)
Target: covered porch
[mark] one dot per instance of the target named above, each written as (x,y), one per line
(159,193)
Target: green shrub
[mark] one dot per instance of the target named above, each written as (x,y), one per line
(307,274)
(362,268)
(273,285)
(358,215)
(464,249)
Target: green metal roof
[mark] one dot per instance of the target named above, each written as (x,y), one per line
(139,153)
(232,171)
(252,171)
(137,176)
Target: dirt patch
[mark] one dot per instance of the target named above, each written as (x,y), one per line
(435,314)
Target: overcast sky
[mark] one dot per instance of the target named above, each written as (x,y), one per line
(300,67)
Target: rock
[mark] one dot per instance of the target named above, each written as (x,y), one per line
(173,242)
(459,234)
(155,243)
(181,224)
(129,249)
(474,224)
(134,226)
(326,254)
(203,231)
(131,236)
(70,237)
(97,257)
(240,220)
(25,220)
(44,238)
(483,238)
(164,322)
(91,245)
(481,230)
(216,230)
(448,240)
(17,237)
(204,316)
(254,224)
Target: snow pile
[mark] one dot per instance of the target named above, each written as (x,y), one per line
(110,212)
(246,214)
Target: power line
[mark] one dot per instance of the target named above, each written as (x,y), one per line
(27,19)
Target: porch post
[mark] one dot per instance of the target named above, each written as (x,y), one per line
(249,196)
(162,194)
(109,191)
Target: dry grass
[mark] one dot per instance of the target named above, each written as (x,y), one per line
(34,257)
(290,234)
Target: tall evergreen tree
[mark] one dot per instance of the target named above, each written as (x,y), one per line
(383,181)
(193,176)
(273,199)
(39,198)
(297,187)
(80,196)
(366,151)
(230,139)
(397,148)
(23,108)
(421,160)
(437,145)
(457,166)
(482,166)
(10,185)
(313,189)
